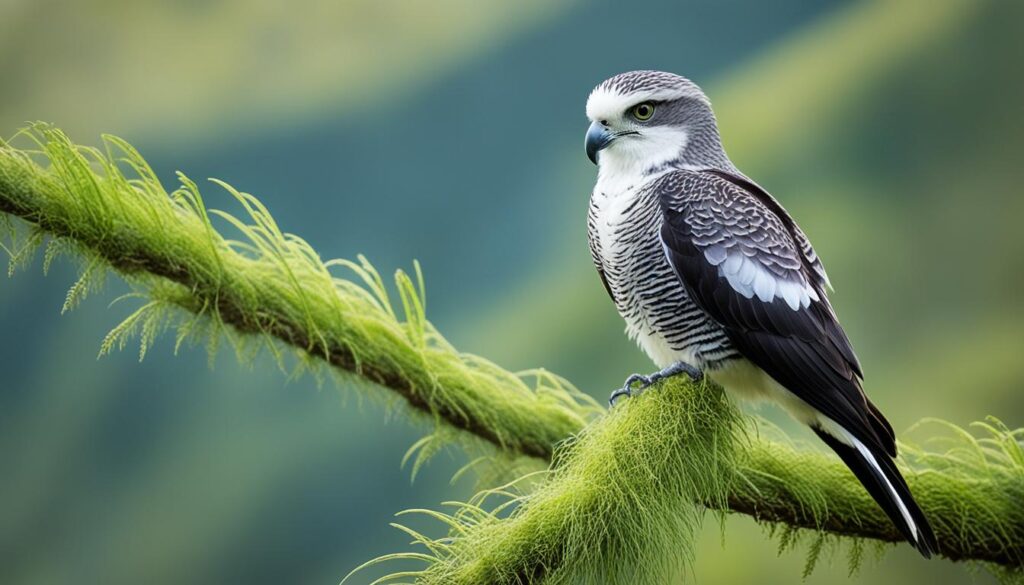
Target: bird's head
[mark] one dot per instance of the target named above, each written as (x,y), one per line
(642,120)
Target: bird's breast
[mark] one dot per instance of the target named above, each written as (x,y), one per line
(624,229)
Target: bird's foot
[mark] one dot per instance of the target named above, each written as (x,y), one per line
(627,388)
(646,381)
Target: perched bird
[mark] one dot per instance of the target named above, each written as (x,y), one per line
(712,276)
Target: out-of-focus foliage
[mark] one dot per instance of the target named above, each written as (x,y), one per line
(895,143)
(182,68)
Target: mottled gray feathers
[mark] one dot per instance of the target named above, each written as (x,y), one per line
(647,81)
(749,244)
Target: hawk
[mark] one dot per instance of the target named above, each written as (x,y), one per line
(713,277)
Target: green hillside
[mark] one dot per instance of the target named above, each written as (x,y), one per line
(233,65)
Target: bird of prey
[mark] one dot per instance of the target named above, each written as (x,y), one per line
(712,276)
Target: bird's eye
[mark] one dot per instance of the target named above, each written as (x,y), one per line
(643,111)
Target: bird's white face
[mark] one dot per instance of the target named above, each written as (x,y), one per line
(634,132)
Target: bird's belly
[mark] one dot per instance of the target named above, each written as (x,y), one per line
(679,334)
(745,382)
(659,314)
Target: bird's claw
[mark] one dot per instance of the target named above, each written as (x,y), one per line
(627,388)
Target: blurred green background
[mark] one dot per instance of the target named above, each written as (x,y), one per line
(451,132)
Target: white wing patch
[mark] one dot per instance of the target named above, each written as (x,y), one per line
(748,277)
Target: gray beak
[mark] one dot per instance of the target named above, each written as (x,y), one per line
(598,138)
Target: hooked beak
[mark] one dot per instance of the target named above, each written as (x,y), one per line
(598,138)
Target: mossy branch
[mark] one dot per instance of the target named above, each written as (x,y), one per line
(273,285)
(627,487)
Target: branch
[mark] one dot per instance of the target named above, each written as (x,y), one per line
(623,501)
(275,285)
(273,288)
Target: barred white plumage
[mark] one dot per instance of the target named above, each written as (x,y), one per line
(711,274)
(623,230)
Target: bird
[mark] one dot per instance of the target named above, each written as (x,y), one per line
(714,278)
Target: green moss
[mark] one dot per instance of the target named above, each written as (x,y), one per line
(620,504)
(622,501)
(271,288)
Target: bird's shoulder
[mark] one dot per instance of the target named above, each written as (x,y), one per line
(724,212)
(713,200)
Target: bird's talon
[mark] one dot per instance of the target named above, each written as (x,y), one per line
(645,382)
(627,388)
(619,393)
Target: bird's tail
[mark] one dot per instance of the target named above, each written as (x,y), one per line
(877,472)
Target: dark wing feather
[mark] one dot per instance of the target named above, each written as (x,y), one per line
(717,234)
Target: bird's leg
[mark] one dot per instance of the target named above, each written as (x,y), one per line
(646,381)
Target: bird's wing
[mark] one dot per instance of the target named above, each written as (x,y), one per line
(741,261)
(816,269)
